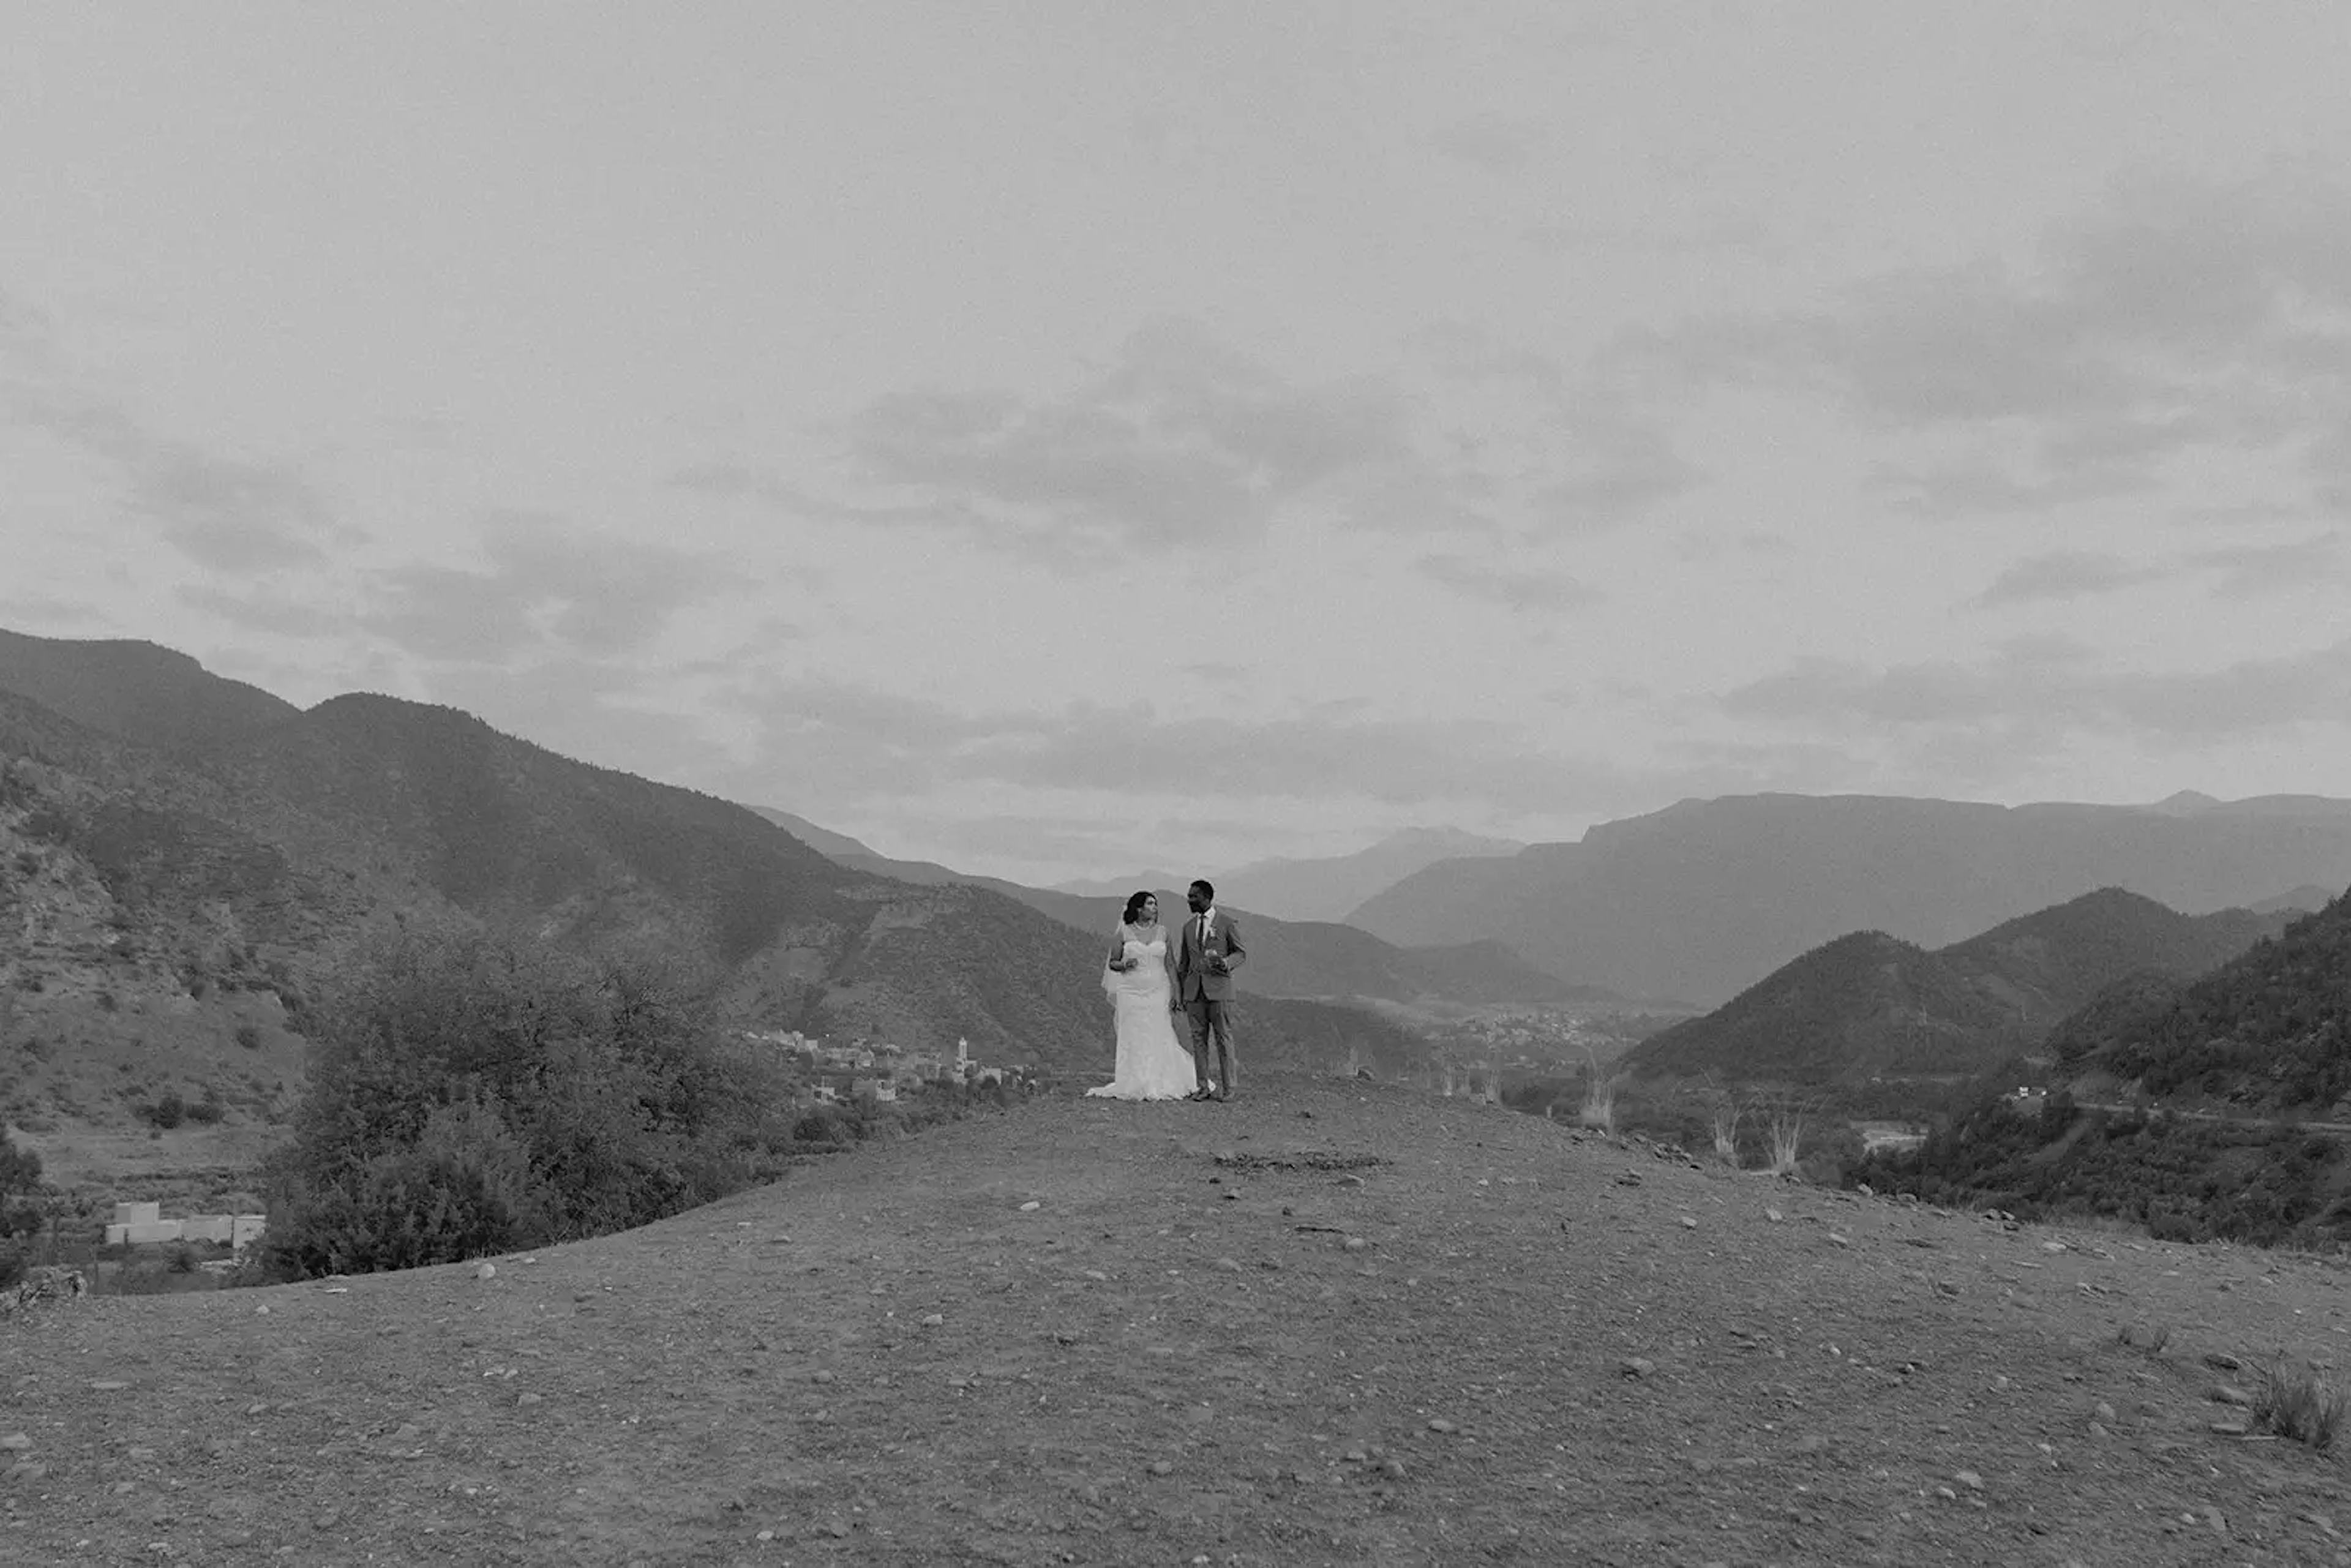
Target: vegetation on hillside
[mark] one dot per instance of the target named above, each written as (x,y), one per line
(474,1095)
(1867,1007)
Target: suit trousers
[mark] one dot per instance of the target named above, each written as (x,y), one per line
(1212,1041)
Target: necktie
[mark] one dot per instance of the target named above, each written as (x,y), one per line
(1204,932)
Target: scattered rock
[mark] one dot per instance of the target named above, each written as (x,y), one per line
(1837,1240)
(819,1377)
(1637,1367)
(1969,1479)
(528,1400)
(2230,1393)
(486,1271)
(1773,1215)
(1162,1468)
(1031,1206)
(1229,1265)
(15,1442)
(2104,1411)
(2222,1361)
(1441,1425)
(1354,1244)
(934,1320)
(1688,1223)
(2230,1428)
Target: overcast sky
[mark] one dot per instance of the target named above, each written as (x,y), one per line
(1057,439)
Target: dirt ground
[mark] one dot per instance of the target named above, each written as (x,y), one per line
(1328,1323)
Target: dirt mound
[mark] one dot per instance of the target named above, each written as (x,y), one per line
(1092,1332)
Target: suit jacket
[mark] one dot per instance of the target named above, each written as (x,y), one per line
(1193,976)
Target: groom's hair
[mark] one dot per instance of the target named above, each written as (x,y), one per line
(1135,904)
(1205,885)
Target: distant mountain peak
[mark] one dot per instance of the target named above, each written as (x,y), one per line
(2186,803)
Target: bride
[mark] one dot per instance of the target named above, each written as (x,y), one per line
(1141,978)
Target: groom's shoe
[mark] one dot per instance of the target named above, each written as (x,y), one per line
(1199,1094)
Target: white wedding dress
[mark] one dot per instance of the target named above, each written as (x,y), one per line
(1152,1063)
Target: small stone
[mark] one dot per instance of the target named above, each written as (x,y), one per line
(1355,1244)
(1969,1479)
(528,1400)
(1097,1276)
(15,1442)
(1030,1206)
(25,1470)
(1773,1215)
(765,1535)
(1232,1196)
(2104,1411)
(1441,1425)
(1688,1223)
(934,1320)
(2053,1246)
(1229,1265)
(1162,1468)
(1392,1469)
(819,1377)
(2230,1428)
(1637,1367)
(486,1271)
(1836,1240)
(2222,1361)
(2230,1393)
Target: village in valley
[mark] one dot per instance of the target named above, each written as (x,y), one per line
(877,1070)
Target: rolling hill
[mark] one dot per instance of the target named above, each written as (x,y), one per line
(169,902)
(1305,959)
(1707,897)
(1327,888)
(1869,1006)
(2208,1107)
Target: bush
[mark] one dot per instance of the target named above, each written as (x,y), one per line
(168,1112)
(474,1095)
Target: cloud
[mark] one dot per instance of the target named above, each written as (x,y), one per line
(2248,571)
(223,513)
(36,609)
(547,584)
(1498,143)
(1514,590)
(2032,694)
(2065,574)
(2176,317)
(280,614)
(1180,440)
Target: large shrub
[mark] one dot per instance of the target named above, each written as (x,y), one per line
(475,1095)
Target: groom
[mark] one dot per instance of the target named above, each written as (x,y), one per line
(1205,961)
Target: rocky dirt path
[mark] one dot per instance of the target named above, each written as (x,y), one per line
(1328,1324)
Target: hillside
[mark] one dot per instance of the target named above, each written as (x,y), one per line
(2201,1108)
(135,691)
(1869,1006)
(2268,1034)
(1332,1324)
(1325,888)
(164,916)
(1294,958)
(1707,897)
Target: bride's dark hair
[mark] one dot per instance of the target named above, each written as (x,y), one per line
(1134,906)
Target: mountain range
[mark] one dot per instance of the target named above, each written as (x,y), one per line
(183,857)
(1705,898)
(1299,959)
(1325,890)
(1869,1006)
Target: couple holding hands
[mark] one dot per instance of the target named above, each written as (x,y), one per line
(1151,976)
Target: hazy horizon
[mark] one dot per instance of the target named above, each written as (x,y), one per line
(1082,438)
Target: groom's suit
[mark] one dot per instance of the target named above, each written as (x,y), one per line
(1207,997)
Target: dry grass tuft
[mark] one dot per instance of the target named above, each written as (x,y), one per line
(2295,1403)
